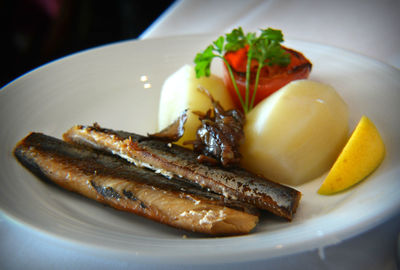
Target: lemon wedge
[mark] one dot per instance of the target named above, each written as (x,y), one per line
(362,154)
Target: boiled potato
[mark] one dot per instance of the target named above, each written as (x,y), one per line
(296,134)
(180,92)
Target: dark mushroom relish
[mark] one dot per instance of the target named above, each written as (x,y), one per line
(219,136)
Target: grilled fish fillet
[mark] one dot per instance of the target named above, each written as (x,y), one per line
(115,182)
(173,160)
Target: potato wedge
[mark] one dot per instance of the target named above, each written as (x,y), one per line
(296,134)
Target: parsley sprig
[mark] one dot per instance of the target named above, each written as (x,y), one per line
(265,49)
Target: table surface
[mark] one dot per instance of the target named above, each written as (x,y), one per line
(371,28)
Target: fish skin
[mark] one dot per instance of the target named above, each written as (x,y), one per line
(174,160)
(113,181)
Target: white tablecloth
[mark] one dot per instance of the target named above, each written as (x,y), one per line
(371,28)
(368,27)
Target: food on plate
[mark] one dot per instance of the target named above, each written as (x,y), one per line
(254,66)
(173,160)
(113,181)
(219,136)
(188,175)
(180,92)
(295,134)
(362,154)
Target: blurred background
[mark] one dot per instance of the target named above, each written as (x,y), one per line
(38,31)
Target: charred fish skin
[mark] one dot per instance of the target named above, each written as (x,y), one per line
(174,160)
(112,181)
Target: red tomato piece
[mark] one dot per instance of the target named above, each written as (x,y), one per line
(271,79)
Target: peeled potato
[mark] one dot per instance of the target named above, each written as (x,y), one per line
(296,134)
(180,92)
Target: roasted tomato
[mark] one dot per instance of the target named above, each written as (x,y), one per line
(271,78)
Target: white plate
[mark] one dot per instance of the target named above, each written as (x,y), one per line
(104,85)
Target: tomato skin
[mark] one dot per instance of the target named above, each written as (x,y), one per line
(271,79)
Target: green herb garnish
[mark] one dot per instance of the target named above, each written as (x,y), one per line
(265,48)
